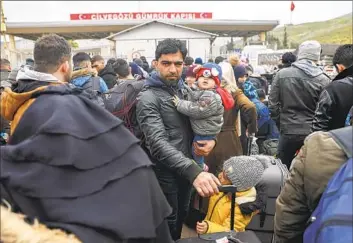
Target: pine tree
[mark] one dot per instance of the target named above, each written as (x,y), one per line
(285,38)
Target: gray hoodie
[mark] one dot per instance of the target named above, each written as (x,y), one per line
(25,73)
(309,68)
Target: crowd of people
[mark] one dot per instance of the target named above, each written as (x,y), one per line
(68,161)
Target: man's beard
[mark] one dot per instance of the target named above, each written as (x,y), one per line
(166,81)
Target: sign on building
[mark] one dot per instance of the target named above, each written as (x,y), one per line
(140,15)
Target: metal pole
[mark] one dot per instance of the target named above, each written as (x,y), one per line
(3,24)
(291,16)
(138,6)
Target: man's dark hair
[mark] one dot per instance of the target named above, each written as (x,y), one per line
(344,55)
(96,58)
(143,58)
(219,59)
(80,57)
(139,62)
(111,61)
(189,61)
(261,93)
(121,67)
(210,60)
(50,51)
(4,62)
(288,58)
(170,46)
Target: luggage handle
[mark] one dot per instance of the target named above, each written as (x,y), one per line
(233,190)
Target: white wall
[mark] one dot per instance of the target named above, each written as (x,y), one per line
(157,30)
(199,48)
(126,49)
(143,40)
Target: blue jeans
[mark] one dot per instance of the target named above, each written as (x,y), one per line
(200,160)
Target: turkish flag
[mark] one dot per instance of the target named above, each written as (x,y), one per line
(292,6)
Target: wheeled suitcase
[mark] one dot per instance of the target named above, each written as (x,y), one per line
(273,178)
(225,237)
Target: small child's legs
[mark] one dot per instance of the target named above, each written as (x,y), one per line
(200,160)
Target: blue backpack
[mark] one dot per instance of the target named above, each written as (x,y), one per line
(332,220)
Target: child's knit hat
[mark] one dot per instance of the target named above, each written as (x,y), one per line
(210,70)
(244,171)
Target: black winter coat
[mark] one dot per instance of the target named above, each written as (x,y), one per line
(335,102)
(168,134)
(294,94)
(109,76)
(74,166)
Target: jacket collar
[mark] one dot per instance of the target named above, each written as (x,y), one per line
(82,72)
(348,72)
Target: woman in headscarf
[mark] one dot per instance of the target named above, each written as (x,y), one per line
(228,142)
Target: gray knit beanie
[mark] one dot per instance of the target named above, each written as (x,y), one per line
(309,50)
(244,171)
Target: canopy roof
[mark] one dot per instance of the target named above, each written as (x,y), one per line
(98,29)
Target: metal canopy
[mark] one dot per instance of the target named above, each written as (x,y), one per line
(103,28)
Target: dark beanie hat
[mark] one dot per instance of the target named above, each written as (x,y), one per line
(135,70)
(198,61)
(190,71)
(239,71)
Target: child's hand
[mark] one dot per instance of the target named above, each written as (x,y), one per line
(176,100)
(201,227)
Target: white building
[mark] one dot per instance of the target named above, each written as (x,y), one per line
(142,40)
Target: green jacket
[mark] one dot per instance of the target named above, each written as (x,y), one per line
(319,158)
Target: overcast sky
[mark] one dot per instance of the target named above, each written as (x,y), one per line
(305,11)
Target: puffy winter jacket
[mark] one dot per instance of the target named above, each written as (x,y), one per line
(205,110)
(294,94)
(218,216)
(317,161)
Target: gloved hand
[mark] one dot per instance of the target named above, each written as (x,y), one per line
(260,202)
(247,208)
(176,100)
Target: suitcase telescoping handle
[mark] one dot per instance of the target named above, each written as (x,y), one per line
(233,190)
(249,141)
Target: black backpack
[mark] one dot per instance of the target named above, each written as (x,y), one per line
(269,147)
(92,88)
(121,102)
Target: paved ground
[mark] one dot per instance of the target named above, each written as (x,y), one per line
(187,232)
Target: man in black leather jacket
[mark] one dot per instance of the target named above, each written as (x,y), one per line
(337,98)
(168,135)
(294,94)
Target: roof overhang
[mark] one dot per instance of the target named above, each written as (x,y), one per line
(111,37)
(88,29)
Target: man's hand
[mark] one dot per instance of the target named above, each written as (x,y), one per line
(176,100)
(204,147)
(206,184)
(201,227)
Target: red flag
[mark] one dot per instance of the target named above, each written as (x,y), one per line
(292,6)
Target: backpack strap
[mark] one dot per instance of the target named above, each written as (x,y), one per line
(96,83)
(343,137)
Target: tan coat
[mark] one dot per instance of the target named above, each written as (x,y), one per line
(228,142)
(317,161)
(15,230)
